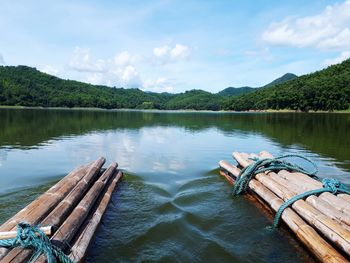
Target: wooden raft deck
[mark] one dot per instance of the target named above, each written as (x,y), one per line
(321,223)
(74,205)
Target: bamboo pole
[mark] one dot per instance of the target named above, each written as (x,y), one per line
(71,225)
(62,210)
(52,194)
(329,204)
(48,230)
(328,227)
(307,235)
(44,203)
(85,236)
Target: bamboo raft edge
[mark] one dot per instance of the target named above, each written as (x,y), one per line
(323,245)
(72,203)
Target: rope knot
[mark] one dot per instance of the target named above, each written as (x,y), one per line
(34,238)
(333,184)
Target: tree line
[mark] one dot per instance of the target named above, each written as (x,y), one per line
(328,90)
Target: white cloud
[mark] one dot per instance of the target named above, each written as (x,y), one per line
(81,61)
(159,85)
(2,61)
(180,52)
(130,77)
(166,54)
(328,30)
(343,56)
(122,69)
(161,51)
(48,69)
(124,58)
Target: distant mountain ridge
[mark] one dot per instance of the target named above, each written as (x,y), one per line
(231,91)
(323,90)
(286,77)
(327,89)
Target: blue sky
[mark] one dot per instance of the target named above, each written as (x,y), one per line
(175,45)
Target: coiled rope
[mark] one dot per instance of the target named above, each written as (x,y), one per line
(32,237)
(269,164)
(276,164)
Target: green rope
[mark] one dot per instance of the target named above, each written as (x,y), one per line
(269,164)
(276,164)
(329,185)
(32,237)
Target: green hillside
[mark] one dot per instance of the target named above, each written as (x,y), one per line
(327,90)
(286,77)
(231,91)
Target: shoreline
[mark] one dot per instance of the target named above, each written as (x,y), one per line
(157,110)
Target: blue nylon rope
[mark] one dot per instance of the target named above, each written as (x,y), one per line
(32,237)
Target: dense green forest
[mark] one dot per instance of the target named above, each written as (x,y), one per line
(325,90)
(232,91)
(328,89)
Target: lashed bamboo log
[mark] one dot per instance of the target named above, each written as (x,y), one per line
(345,197)
(328,227)
(54,193)
(85,236)
(329,204)
(307,183)
(62,210)
(47,230)
(71,225)
(308,236)
(44,204)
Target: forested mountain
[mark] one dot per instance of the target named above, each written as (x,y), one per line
(328,89)
(27,86)
(231,91)
(280,80)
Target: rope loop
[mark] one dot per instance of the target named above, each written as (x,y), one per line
(269,164)
(33,237)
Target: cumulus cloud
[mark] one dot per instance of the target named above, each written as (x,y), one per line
(124,58)
(81,61)
(121,70)
(130,77)
(328,30)
(2,61)
(159,85)
(166,54)
(114,71)
(343,56)
(51,70)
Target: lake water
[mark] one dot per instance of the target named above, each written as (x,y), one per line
(171,206)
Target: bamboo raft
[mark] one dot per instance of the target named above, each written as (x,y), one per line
(74,206)
(321,223)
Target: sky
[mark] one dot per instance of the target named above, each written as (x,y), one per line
(173,46)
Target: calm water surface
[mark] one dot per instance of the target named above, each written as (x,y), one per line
(171,206)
